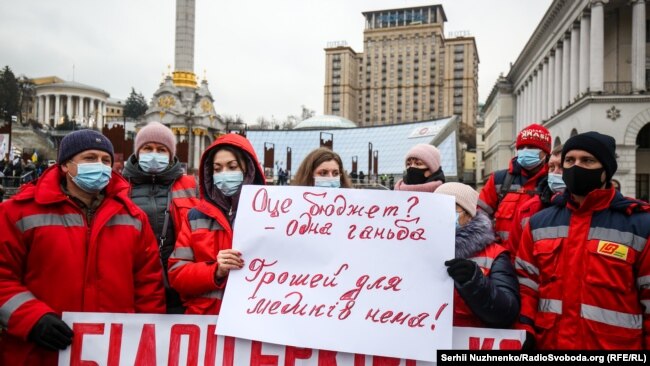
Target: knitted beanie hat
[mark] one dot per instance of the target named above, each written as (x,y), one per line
(429,155)
(466,196)
(158,133)
(535,135)
(602,147)
(82,140)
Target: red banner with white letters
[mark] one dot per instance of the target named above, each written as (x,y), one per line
(147,339)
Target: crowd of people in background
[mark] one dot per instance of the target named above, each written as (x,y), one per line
(549,244)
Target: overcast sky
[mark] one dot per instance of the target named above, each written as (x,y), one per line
(262,57)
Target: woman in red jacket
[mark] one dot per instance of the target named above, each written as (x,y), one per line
(203,257)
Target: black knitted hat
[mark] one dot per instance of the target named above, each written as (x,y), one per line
(602,147)
(82,140)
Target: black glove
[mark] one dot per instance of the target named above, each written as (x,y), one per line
(51,333)
(461,270)
(529,343)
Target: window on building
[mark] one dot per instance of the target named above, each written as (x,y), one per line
(643,138)
(643,186)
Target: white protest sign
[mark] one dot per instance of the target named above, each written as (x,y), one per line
(152,339)
(343,269)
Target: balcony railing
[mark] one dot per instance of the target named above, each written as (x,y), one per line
(617,87)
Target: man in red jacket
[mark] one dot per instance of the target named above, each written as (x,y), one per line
(72,241)
(553,185)
(507,189)
(583,263)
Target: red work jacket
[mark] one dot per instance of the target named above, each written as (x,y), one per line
(53,260)
(584,274)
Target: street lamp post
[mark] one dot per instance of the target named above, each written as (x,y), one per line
(289,162)
(369,160)
(269,158)
(189,118)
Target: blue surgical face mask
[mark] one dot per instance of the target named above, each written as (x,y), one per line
(153,162)
(327,182)
(457,218)
(92,177)
(228,182)
(555,182)
(529,158)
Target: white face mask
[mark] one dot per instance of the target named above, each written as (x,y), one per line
(327,182)
(153,162)
(228,182)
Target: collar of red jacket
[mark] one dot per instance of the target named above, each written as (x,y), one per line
(596,200)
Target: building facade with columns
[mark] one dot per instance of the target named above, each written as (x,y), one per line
(584,68)
(55,98)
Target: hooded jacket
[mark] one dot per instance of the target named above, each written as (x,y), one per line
(170,194)
(206,230)
(491,297)
(523,187)
(584,273)
(52,259)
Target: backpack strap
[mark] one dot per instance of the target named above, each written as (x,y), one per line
(163,238)
(505,187)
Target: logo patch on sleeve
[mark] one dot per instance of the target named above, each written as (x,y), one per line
(613,249)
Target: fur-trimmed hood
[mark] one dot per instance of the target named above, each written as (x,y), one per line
(475,236)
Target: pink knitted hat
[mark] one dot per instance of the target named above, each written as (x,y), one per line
(158,133)
(466,196)
(429,155)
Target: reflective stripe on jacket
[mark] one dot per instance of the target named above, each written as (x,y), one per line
(52,260)
(184,198)
(584,274)
(193,264)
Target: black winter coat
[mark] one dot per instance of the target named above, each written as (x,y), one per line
(150,192)
(493,299)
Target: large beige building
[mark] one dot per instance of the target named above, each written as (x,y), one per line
(584,68)
(408,71)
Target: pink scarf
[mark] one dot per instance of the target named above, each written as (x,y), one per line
(425,187)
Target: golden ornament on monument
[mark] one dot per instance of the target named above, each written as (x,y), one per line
(166,102)
(206,105)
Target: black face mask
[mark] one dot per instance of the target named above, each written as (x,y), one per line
(581,181)
(415,176)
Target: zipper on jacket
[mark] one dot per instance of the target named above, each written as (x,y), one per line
(152,197)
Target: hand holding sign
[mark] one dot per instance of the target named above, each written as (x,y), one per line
(228,259)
